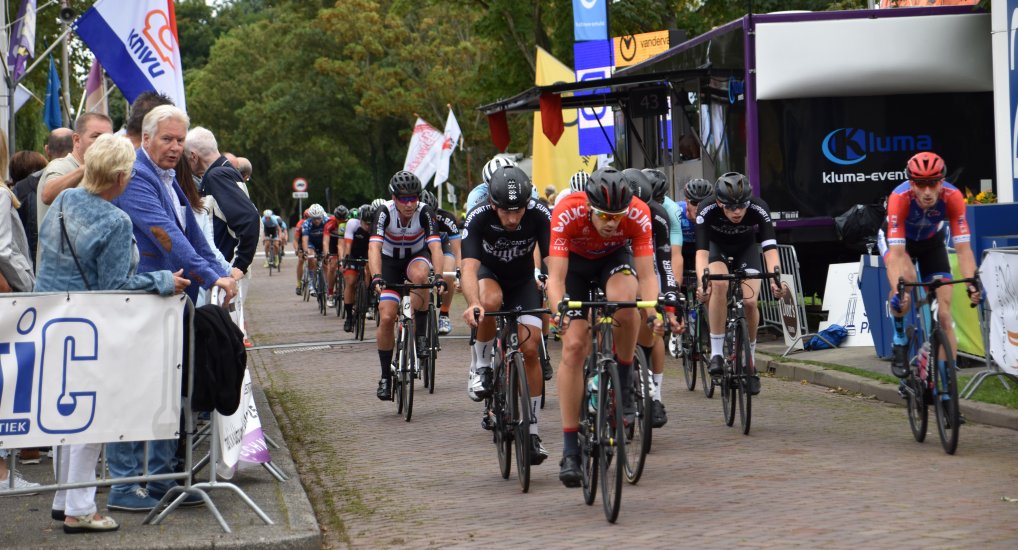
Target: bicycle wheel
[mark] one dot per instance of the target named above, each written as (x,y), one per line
(306,284)
(432,362)
(611,448)
(915,395)
(587,439)
(742,362)
(499,410)
(396,375)
(322,292)
(684,342)
(638,434)
(406,370)
(360,308)
(519,418)
(728,383)
(945,394)
(701,353)
(271,258)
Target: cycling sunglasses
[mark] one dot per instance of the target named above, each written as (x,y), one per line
(407,199)
(927,183)
(608,216)
(737,206)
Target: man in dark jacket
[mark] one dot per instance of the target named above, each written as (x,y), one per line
(236,223)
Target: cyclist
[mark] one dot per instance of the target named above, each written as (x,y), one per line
(403,246)
(298,250)
(335,230)
(577,183)
(914,231)
(697,191)
(271,229)
(479,194)
(358,231)
(654,346)
(450,233)
(731,226)
(589,234)
(498,261)
(312,232)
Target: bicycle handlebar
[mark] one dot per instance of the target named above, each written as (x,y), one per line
(738,275)
(473,329)
(936,283)
(578,304)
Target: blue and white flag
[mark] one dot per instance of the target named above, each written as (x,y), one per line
(136,42)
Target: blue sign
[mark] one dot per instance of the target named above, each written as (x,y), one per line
(847,146)
(594,61)
(590,20)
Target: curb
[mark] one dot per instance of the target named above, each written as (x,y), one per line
(981,413)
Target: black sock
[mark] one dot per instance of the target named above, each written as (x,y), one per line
(385,358)
(421,319)
(625,372)
(570,443)
(348,308)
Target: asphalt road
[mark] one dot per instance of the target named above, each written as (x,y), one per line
(819,468)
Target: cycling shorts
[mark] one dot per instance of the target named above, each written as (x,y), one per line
(334,245)
(930,254)
(271,232)
(745,256)
(394,271)
(516,291)
(585,275)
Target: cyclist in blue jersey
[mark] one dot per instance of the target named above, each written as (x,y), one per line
(271,230)
(697,191)
(312,234)
(479,195)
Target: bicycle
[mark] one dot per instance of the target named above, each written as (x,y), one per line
(406,368)
(926,341)
(601,434)
(362,296)
(738,361)
(318,280)
(433,346)
(273,258)
(507,409)
(337,286)
(693,346)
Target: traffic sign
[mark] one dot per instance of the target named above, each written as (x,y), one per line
(300,194)
(300,185)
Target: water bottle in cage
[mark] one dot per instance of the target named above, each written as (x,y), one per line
(592,389)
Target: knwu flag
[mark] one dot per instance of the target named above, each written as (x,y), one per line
(422,158)
(136,42)
(22,39)
(452,138)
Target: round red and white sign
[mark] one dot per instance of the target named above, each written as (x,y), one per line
(300,184)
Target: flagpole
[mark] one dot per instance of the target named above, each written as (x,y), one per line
(67,71)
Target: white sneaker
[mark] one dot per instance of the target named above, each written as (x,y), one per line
(19,483)
(444,325)
(331,302)
(369,315)
(479,385)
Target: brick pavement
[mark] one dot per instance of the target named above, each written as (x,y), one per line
(818,469)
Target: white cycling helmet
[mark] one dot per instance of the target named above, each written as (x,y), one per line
(494,164)
(377,203)
(316,211)
(578,183)
(267,213)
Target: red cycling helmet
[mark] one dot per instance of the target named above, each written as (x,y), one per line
(926,167)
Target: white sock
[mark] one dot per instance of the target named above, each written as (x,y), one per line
(752,352)
(483,352)
(717,344)
(535,405)
(658,379)
(473,359)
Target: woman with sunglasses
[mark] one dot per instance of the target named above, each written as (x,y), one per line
(731,226)
(914,231)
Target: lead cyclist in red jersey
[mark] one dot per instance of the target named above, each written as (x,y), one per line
(914,230)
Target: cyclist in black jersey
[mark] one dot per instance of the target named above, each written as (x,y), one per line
(358,232)
(732,226)
(652,344)
(499,239)
(451,249)
(403,247)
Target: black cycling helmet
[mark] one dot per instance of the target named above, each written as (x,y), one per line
(642,188)
(698,190)
(509,188)
(428,198)
(341,212)
(608,190)
(366,212)
(658,182)
(733,188)
(404,183)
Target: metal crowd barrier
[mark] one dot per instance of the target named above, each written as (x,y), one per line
(770,308)
(176,494)
(993,369)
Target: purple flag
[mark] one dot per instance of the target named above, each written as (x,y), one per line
(22,39)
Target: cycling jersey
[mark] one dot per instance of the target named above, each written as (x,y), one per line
(688,226)
(401,241)
(662,249)
(447,229)
(479,195)
(356,238)
(314,233)
(562,195)
(334,227)
(713,226)
(508,254)
(573,232)
(298,233)
(269,222)
(906,220)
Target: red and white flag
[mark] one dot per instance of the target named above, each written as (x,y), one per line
(453,138)
(422,158)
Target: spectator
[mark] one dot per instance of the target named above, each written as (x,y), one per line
(26,168)
(145,102)
(63,173)
(88,244)
(549,194)
(186,179)
(168,238)
(59,145)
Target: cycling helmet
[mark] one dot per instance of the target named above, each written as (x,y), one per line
(578,183)
(404,183)
(341,212)
(658,182)
(366,212)
(428,198)
(733,188)
(639,183)
(494,164)
(354,214)
(377,203)
(698,190)
(926,167)
(510,188)
(316,211)
(608,190)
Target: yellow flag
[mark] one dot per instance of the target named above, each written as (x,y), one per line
(555,164)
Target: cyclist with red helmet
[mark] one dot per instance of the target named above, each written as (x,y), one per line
(915,232)
(591,236)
